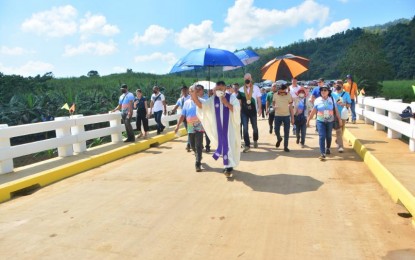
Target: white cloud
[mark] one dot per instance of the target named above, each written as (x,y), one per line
(333,28)
(94,48)
(154,35)
(57,22)
(169,58)
(268,44)
(96,24)
(31,68)
(246,22)
(12,51)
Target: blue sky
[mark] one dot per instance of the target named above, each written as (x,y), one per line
(70,38)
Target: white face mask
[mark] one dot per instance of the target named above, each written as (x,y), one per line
(301,95)
(220,93)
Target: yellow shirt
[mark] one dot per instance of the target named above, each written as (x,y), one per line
(352,92)
(282,104)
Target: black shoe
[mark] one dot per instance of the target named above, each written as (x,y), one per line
(298,140)
(208,149)
(278,143)
(162,128)
(188,148)
(328,151)
(228,172)
(129,141)
(286,149)
(158,132)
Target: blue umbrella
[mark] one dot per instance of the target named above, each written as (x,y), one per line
(208,57)
(180,68)
(246,56)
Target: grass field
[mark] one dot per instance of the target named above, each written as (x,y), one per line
(399,89)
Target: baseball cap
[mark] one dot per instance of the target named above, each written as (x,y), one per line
(123,86)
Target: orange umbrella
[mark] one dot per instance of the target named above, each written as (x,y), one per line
(284,67)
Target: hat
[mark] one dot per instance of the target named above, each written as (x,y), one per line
(326,87)
(348,76)
(300,90)
(339,81)
(281,87)
(183,87)
(123,86)
(406,113)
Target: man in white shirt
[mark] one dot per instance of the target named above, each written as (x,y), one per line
(250,99)
(293,91)
(158,102)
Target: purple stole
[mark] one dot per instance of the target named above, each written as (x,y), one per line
(222,130)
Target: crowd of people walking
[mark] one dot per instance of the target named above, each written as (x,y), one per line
(224,117)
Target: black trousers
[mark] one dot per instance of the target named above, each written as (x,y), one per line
(128,127)
(196,142)
(141,118)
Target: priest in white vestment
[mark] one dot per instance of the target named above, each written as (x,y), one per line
(221,118)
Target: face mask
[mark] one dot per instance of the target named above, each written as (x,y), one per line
(338,88)
(301,95)
(124,90)
(247,81)
(220,93)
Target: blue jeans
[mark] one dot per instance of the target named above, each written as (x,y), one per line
(245,120)
(301,132)
(324,135)
(157,118)
(353,109)
(278,121)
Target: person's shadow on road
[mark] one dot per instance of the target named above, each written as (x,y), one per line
(277,183)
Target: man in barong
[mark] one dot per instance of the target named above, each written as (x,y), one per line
(221,119)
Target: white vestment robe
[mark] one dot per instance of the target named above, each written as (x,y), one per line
(207,116)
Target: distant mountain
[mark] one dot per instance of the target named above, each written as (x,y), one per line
(379,28)
(359,51)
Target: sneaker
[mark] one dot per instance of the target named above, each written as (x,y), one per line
(298,140)
(322,156)
(198,169)
(255,144)
(354,122)
(341,149)
(188,147)
(246,149)
(328,151)
(286,150)
(302,145)
(278,143)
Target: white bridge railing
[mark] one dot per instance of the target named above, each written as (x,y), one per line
(70,137)
(384,114)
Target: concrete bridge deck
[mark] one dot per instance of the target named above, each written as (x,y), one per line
(153,205)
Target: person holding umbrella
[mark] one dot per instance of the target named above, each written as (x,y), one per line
(221,118)
(250,99)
